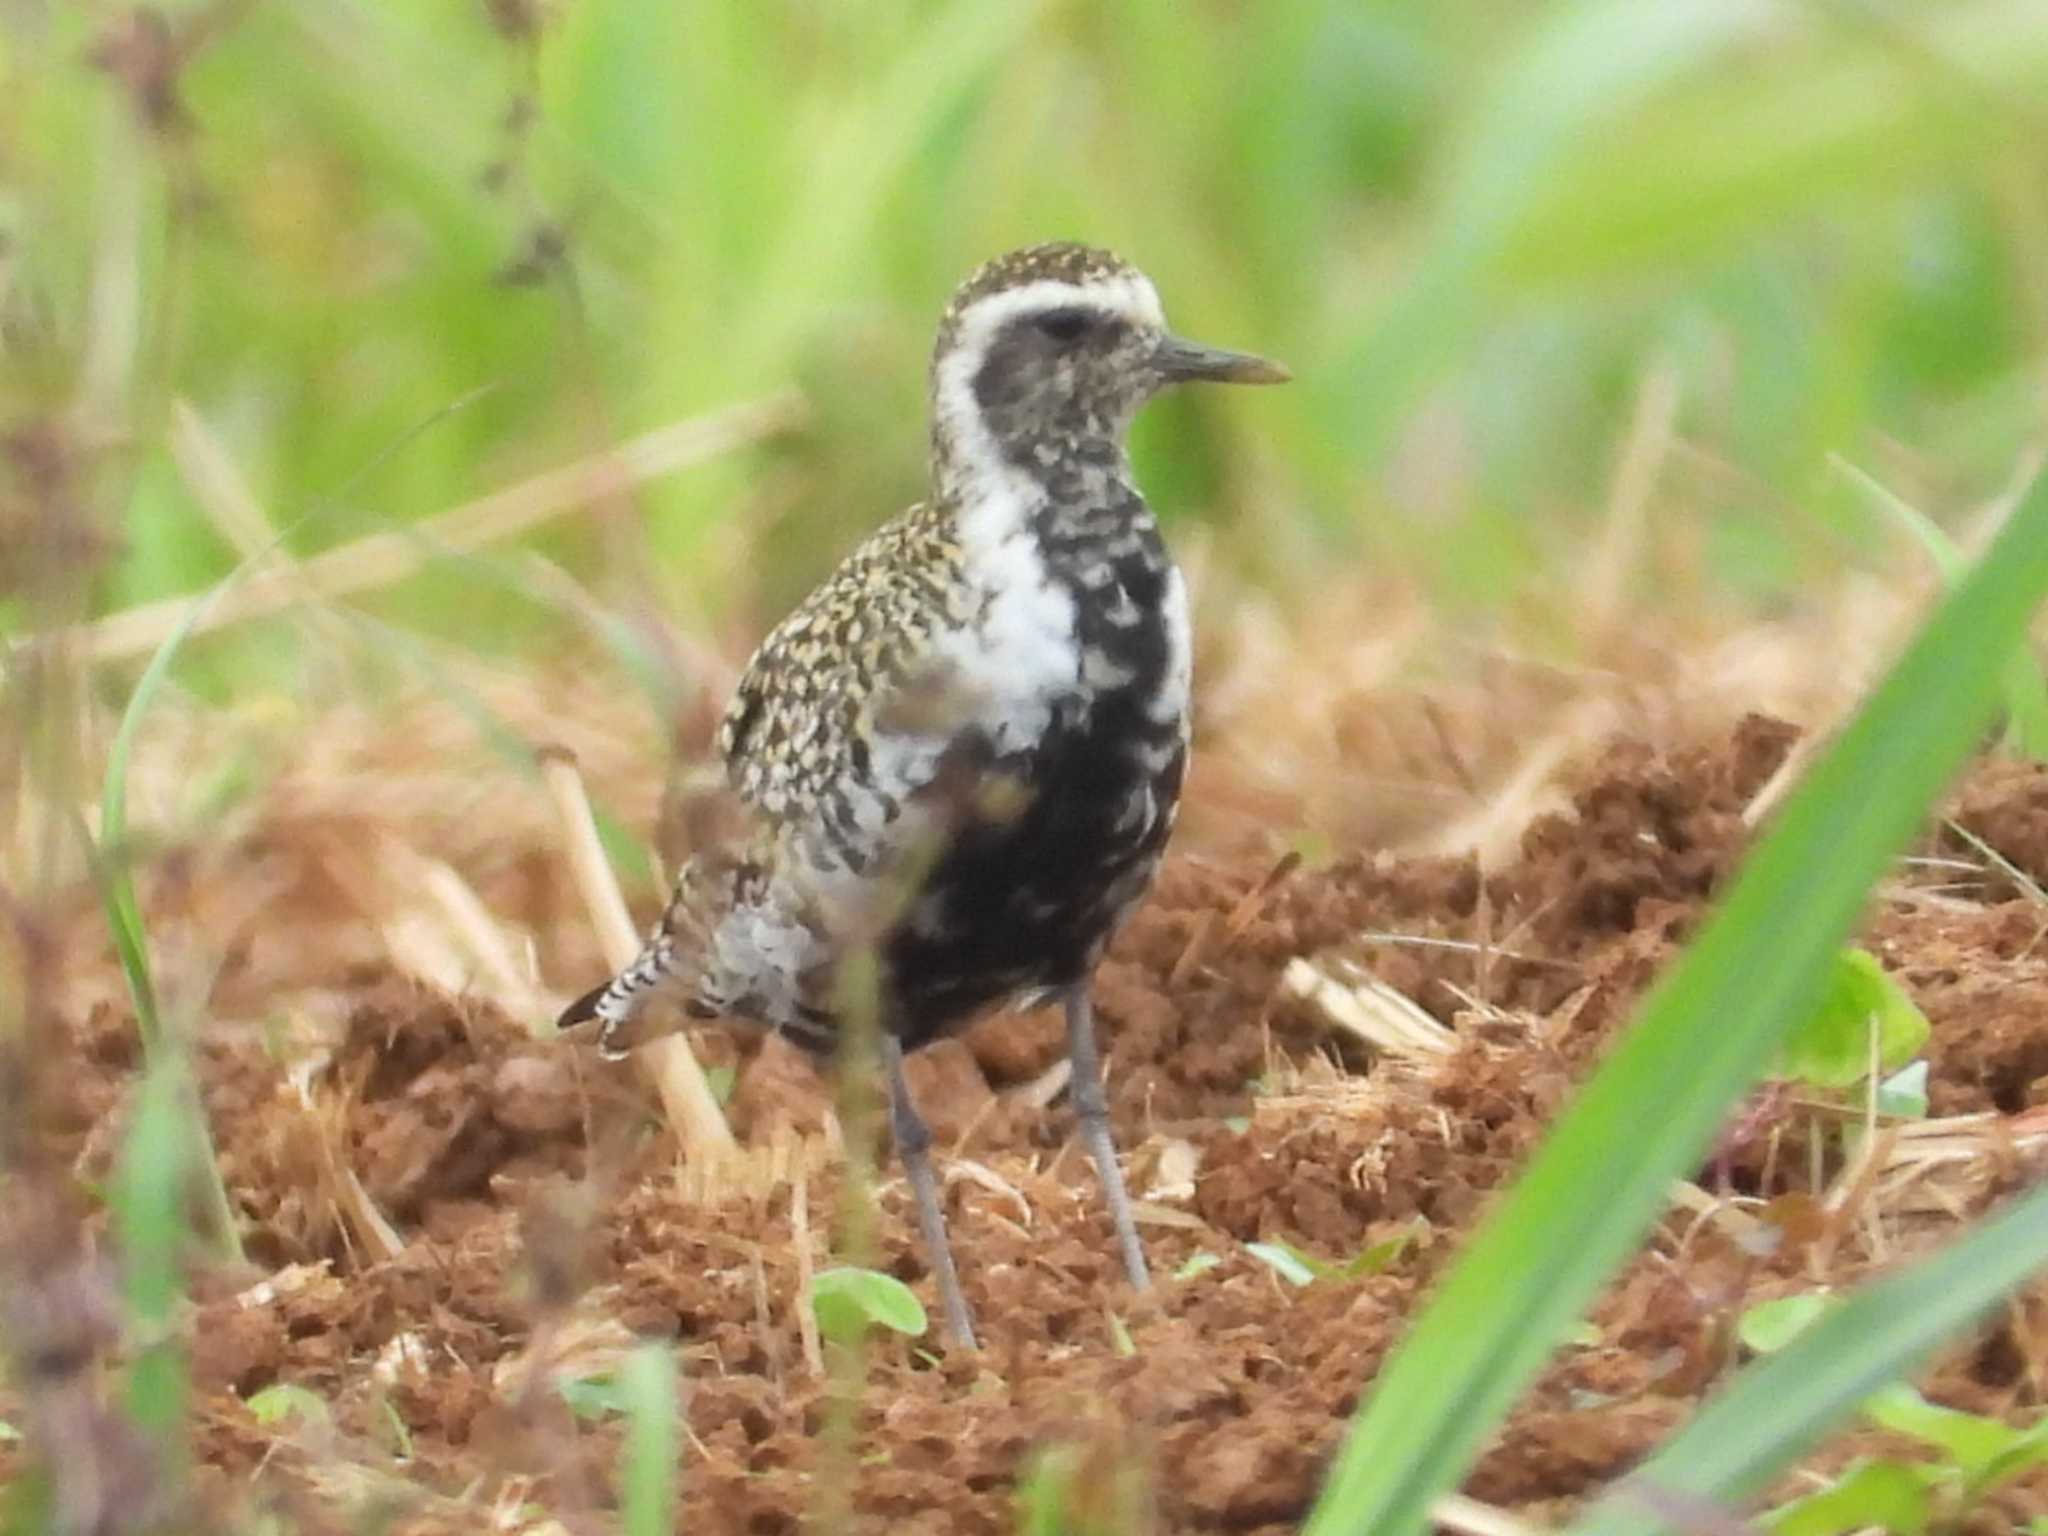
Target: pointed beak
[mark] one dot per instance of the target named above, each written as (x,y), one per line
(1179,360)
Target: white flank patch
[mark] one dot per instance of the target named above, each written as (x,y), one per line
(1172,703)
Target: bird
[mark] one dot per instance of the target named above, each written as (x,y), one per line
(962,754)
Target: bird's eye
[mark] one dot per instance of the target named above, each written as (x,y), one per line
(1066,324)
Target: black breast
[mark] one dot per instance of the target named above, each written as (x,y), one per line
(1024,897)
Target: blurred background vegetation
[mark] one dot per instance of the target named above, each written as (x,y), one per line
(370,259)
(1608,308)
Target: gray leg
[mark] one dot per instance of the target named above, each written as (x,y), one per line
(914,1145)
(1093,1111)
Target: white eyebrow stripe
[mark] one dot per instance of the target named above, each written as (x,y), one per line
(1129,294)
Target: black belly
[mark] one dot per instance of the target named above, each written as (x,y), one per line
(1025,901)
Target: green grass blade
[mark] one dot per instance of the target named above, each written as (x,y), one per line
(2026,687)
(1785,1402)
(114,871)
(1759,964)
(148,1206)
(647,1465)
(124,920)
(124,913)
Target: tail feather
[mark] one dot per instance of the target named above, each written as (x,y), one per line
(672,962)
(584,1009)
(615,1005)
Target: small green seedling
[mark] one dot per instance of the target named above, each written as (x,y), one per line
(1975,1455)
(399,1430)
(1869,1495)
(1120,1339)
(1831,1048)
(1903,1095)
(848,1301)
(1286,1261)
(593,1397)
(1769,1326)
(282,1400)
(1299,1267)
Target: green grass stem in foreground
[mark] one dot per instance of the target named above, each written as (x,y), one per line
(647,1464)
(1760,964)
(1779,1406)
(148,1202)
(2026,685)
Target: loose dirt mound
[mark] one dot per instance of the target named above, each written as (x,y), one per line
(445,1216)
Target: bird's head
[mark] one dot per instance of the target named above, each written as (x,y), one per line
(1052,349)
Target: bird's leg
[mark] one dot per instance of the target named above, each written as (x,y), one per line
(1093,1112)
(913,1140)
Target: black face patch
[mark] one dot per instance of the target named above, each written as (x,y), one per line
(1056,377)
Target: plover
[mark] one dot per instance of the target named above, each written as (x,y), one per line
(963,752)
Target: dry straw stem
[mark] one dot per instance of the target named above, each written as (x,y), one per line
(382,558)
(448,937)
(691,1107)
(224,494)
(1363,1006)
(1617,557)
(1469,1517)
(806,1274)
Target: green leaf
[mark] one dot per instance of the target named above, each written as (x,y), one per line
(1374,1257)
(1903,1095)
(1197,1264)
(592,1397)
(1286,1261)
(1884,1494)
(2028,1449)
(1769,1326)
(1830,1047)
(283,1400)
(848,1300)
(1760,963)
(1971,1441)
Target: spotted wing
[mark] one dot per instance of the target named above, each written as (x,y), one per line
(813,732)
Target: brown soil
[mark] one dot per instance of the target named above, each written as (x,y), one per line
(443,1213)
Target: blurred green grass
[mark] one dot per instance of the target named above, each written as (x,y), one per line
(396,255)
(1471,228)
